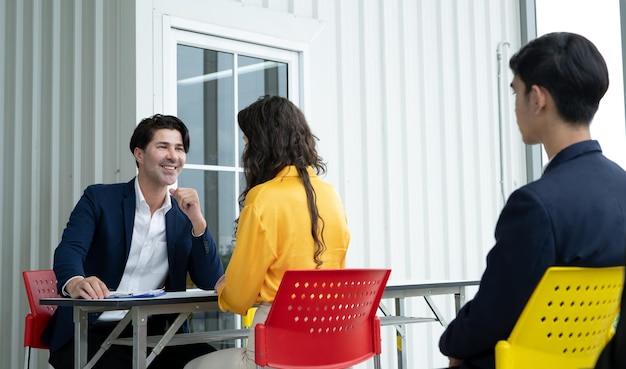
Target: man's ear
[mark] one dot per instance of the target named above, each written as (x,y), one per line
(138,154)
(540,97)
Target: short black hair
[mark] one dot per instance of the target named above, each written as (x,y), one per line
(570,67)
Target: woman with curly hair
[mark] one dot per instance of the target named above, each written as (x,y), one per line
(290,218)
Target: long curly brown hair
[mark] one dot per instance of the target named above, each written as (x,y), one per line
(279,136)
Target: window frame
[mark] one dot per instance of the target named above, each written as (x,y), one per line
(182,35)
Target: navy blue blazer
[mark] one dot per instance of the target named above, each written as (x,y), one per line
(575,214)
(96,242)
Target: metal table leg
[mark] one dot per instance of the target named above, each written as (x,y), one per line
(435,310)
(401,338)
(80,331)
(108,341)
(459,298)
(140,332)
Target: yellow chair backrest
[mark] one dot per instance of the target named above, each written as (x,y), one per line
(566,322)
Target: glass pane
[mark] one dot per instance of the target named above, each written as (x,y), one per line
(258,77)
(218,201)
(206,104)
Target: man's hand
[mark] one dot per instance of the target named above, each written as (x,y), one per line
(87,288)
(189,203)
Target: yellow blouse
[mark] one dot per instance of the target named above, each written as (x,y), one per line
(274,235)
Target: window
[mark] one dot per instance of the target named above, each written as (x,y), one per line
(215,78)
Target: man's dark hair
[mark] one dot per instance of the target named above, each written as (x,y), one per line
(144,132)
(570,67)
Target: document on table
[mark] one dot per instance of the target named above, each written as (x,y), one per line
(136,294)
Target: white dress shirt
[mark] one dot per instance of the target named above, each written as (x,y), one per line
(147,265)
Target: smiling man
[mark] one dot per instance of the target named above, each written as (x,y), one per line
(134,236)
(575,214)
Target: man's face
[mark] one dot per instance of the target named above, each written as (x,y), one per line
(526,119)
(163,159)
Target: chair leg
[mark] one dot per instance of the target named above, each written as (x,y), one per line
(377,362)
(26,357)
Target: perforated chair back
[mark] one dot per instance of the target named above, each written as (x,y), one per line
(567,320)
(322,319)
(39,284)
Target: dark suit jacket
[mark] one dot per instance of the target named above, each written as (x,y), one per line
(96,242)
(575,214)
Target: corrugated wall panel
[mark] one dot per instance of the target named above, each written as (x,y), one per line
(4,138)
(394,139)
(415,220)
(371,129)
(63,109)
(417,114)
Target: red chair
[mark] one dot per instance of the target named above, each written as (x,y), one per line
(39,284)
(323,319)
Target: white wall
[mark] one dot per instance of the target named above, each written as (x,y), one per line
(403,95)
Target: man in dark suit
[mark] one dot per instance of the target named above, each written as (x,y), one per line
(575,214)
(134,236)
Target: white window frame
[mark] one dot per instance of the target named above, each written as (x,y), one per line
(176,30)
(237,48)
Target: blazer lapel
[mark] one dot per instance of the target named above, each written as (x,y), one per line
(170,229)
(129,213)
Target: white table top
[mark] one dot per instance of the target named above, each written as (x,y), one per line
(394,289)
(408,288)
(189,296)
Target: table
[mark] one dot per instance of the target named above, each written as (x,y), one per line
(139,309)
(399,290)
(195,300)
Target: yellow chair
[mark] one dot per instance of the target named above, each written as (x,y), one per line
(566,322)
(246,320)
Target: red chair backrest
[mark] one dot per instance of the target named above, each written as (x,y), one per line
(322,318)
(39,284)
